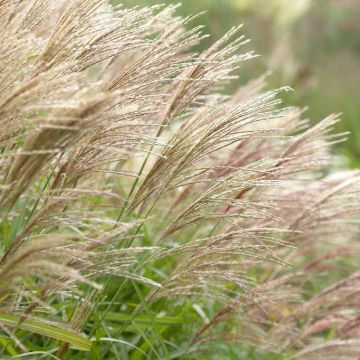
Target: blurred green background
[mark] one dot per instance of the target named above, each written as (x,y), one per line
(311,45)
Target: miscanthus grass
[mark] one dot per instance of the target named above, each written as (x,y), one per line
(145,215)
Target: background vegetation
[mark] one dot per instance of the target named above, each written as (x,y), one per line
(312,46)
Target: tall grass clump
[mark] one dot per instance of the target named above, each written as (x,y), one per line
(145,215)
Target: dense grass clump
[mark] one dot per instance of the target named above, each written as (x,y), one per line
(144,215)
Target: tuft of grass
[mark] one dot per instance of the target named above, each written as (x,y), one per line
(145,214)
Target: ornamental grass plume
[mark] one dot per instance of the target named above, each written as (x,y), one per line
(146,215)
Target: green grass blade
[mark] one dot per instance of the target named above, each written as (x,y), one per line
(142,319)
(155,326)
(75,340)
(6,343)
